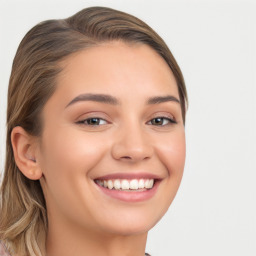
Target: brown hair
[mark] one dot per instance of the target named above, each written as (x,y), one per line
(23,221)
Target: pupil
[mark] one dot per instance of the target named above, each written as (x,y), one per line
(93,121)
(158,121)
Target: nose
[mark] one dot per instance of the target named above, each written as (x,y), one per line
(132,144)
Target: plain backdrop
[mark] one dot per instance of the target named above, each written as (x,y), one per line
(214,42)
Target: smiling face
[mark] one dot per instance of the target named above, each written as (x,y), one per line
(114,121)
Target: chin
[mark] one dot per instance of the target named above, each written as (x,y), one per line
(131,222)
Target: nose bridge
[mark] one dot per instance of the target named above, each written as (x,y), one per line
(132,142)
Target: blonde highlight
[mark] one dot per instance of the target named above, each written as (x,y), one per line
(23,221)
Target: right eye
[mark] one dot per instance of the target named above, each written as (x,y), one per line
(162,121)
(93,121)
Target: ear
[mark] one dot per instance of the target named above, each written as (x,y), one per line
(25,150)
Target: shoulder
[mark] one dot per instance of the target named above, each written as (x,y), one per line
(3,250)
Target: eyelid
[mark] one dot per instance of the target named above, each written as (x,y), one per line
(82,121)
(92,114)
(163,115)
(171,121)
(103,116)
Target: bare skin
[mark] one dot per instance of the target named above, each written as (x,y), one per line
(86,138)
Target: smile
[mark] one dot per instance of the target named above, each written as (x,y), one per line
(127,185)
(129,188)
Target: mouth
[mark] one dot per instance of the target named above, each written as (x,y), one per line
(128,188)
(127,185)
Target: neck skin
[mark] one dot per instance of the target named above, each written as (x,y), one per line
(66,240)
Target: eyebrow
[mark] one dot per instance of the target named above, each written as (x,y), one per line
(161,99)
(108,99)
(104,98)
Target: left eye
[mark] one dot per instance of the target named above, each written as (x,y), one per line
(161,121)
(93,121)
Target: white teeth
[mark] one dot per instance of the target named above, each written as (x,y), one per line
(147,184)
(110,184)
(117,184)
(151,183)
(133,184)
(125,184)
(141,183)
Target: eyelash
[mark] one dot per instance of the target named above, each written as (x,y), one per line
(91,118)
(169,120)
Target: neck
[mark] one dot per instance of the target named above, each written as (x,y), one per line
(66,241)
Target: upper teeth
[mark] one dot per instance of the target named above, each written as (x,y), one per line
(126,184)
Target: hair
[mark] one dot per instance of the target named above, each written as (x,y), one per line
(23,221)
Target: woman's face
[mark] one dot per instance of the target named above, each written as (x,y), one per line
(114,120)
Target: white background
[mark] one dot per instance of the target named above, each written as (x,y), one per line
(214,43)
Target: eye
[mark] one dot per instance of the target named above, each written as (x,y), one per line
(94,121)
(162,121)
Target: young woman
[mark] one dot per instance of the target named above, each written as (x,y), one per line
(95,137)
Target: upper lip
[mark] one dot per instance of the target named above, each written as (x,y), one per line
(129,176)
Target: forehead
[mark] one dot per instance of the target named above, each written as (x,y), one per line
(116,68)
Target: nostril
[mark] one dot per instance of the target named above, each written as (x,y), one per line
(126,157)
(131,151)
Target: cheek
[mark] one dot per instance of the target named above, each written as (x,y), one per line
(69,155)
(172,153)
(67,158)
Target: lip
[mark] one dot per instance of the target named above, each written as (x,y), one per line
(129,196)
(129,176)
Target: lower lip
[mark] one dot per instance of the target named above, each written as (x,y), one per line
(133,196)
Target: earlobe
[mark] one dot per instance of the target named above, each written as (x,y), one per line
(24,149)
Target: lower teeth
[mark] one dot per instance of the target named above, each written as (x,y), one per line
(129,190)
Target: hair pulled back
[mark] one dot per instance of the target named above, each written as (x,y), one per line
(23,217)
